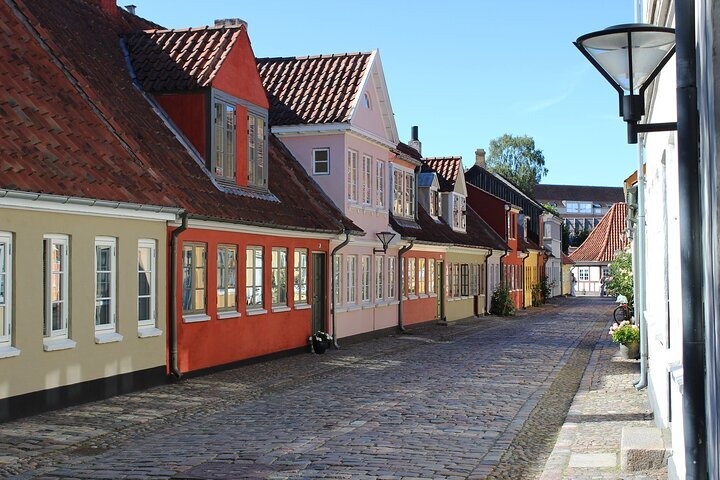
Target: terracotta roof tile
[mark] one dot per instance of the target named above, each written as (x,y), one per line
(316,89)
(447,169)
(566,260)
(606,239)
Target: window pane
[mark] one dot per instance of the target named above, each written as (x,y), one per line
(103,285)
(57,320)
(144,306)
(102,312)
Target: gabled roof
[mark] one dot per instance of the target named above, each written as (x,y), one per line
(180,60)
(80,127)
(447,168)
(606,239)
(315,89)
(566,260)
(547,192)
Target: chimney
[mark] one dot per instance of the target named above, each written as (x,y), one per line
(414,141)
(230,22)
(107,6)
(480,157)
(131,8)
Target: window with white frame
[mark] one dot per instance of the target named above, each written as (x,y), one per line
(257,151)
(5,289)
(278,277)
(367,179)
(464,280)
(227,277)
(455,280)
(411,276)
(434,203)
(351,275)
(194,262)
(474,277)
(482,281)
(421,276)
(391,278)
(365,279)
(409,194)
(584,273)
(147,279)
(254,259)
(431,275)
(548,230)
(224,123)
(300,276)
(56,280)
(459,207)
(398,192)
(379,184)
(403,276)
(105,285)
(321,161)
(337,278)
(352,190)
(379,271)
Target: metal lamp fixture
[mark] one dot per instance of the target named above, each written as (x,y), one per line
(630,57)
(385,238)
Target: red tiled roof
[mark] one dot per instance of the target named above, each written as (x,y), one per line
(447,168)
(606,238)
(547,192)
(180,60)
(317,89)
(566,260)
(74,124)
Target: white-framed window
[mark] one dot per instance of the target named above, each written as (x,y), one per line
(6,285)
(455,283)
(365,279)
(482,282)
(321,161)
(548,230)
(411,276)
(337,278)
(351,275)
(398,192)
(254,272)
(147,283)
(278,277)
(421,276)
(366,101)
(257,151)
(379,184)
(224,126)
(194,275)
(409,194)
(474,279)
(392,280)
(584,273)
(464,280)
(431,275)
(57,273)
(300,276)
(352,190)
(434,203)
(459,207)
(227,271)
(379,271)
(367,179)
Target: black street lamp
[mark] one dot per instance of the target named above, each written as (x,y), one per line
(629,57)
(385,238)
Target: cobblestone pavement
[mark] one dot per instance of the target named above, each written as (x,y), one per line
(606,402)
(481,398)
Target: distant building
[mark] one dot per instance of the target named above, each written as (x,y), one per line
(581,207)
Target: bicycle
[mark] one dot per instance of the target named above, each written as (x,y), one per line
(622,312)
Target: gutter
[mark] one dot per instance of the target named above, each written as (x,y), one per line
(332,288)
(401,274)
(487,286)
(522,276)
(174,368)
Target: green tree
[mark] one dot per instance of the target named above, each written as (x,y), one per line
(517,159)
(577,239)
(620,281)
(565,238)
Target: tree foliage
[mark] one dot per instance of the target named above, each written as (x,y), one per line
(517,159)
(565,238)
(501,303)
(620,280)
(577,239)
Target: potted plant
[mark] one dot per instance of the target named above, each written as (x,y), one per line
(320,342)
(628,336)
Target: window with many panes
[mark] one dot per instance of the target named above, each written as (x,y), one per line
(421,276)
(391,278)
(257,151)
(366,179)
(337,278)
(379,270)
(254,277)
(146,283)
(548,230)
(194,262)
(105,288)
(224,124)
(352,190)
(455,281)
(434,203)
(474,279)
(300,276)
(380,184)
(227,277)
(398,192)
(411,282)
(321,161)
(56,280)
(584,273)
(431,275)
(409,194)
(458,213)
(365,277)
(5,289)
(278,277)
(464,280)
(351,276)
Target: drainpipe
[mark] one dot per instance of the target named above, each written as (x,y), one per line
(174,368)
(691,253)
(523,280)
(332,283)
(487,284)
(401,274)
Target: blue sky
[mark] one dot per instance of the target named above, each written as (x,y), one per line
(465,72)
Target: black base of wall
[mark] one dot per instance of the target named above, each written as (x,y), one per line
(90,391)
(247,361)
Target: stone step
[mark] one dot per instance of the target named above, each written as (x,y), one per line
(643,448)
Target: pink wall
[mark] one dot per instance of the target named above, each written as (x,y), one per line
(370,119)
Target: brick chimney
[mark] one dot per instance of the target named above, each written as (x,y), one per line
(107,6)
(414,140)
(480,157)
(230,22)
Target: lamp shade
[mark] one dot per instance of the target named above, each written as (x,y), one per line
(630,55)
(385,238)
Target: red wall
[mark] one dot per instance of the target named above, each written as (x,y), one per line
(489,207)
(239,76)
(420,310)
(187,111)
(217,342)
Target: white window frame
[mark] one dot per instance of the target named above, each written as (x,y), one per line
(278,270)
(459,208)
(254,267)
(474,279)
(62,333)
(338,263)
(112,244)
(6,319)
(584,272)
(228,274)
(409,196)
(411,278)
(421,276)
(193,287)
(222,160)
(367,162)
(351,274)
(315,161)
(379,272)
(352,175)
(398,198)
(300,276)
(434,204)
(465,280)
(152,321)
(431,275)
(391,275)
(257,148)
(380,184)
(365,278)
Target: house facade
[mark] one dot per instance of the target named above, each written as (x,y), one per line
(552,242)
(581,207)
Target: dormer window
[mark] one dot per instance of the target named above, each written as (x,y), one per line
(459,210)
(403,192)
(224,122)
(434,203)
(257,151)
(409,194)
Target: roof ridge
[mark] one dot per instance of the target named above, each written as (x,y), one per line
(190,29)
(312,57)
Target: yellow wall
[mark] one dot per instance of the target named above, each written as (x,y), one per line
(566,279)
(35,369)
(462,307)
(531,276)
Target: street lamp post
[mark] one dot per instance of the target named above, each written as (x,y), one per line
(385,238)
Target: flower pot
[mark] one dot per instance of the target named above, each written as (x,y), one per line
(319,346)
(630,351)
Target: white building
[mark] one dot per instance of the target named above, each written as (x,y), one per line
(552,241)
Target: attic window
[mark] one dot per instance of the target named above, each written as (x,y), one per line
(224,140)
(366,101)
(257,151)
(459,207)
(434,203)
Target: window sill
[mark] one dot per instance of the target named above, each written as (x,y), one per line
(107,337)
(422,295)
(366,306)
(8,351)
(198,317)
(394,302)
(280,309)
(412,297)
(55,344)
(433,295)
(147,332)
(302,306)
(352,308)
(227,315)
(256,311)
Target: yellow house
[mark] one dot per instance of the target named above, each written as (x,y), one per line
(567,264)
(531,266)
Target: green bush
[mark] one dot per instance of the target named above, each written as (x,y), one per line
(537,298)
(620,277)
(501,302)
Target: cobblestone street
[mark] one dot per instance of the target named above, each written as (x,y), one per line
(478,399)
